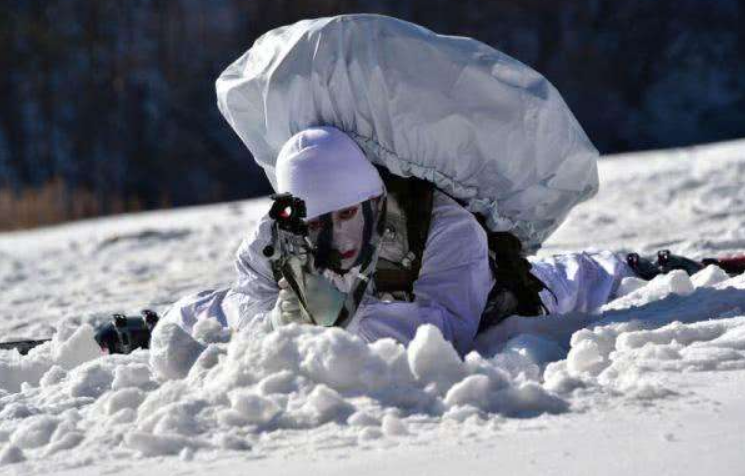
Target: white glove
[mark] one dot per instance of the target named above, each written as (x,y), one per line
(287,309)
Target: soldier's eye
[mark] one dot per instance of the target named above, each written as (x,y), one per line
(347,213)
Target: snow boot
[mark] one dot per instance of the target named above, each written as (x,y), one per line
(666,262)
(126,334)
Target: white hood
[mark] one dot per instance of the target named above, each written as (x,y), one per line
(325,168)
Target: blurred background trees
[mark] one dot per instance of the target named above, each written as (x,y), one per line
(108,106)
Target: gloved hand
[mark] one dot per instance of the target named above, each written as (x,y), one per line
(287,309)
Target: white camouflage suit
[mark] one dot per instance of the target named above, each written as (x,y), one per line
(451,291)
(434,107)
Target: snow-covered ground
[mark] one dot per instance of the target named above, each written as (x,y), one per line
(652,384)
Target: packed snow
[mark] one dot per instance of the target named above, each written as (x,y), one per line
(641,385)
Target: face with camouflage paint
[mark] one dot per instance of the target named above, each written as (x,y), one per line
(347,231)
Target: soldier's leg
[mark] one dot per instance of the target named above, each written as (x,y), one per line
(580,282)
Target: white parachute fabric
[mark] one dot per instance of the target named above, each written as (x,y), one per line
(482,126)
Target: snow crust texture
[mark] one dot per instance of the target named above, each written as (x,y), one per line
(242,394)
(261,392)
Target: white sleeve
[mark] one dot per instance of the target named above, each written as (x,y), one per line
(452,288)
(189,309)
(580,282)
(254,291)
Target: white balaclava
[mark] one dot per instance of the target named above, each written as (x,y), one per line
(326,168)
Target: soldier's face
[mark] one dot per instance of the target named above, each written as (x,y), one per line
(348,226)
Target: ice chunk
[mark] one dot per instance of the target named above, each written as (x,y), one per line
(208,331)
(34,431)
(11,454)
(53,376)
(674,332)
(325,404)
(90,380)
(158,445)
(132,375)
(124,398)
(363,418)
(629,285)
(78,348)
(587,355)
(526,400)
(172,351)
(280,382)
(342,361)
(393,426)
(65,442)
(675,282)
(709,277)
(255,409)
(370,433)
(434,360)
(474,390)
(557,379)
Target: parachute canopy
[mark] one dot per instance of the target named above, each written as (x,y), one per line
(479,124)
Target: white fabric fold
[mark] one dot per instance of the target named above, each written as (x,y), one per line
(479,124)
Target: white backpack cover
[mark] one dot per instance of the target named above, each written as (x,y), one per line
(482,126)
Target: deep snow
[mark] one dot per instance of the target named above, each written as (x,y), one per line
(651,383)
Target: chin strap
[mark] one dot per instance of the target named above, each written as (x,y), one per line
(368,260)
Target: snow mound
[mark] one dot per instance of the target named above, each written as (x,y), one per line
(274,394)
(673,324)
(236,395)
(69,348)
(230,395)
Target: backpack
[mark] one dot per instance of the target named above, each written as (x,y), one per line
(516,289)
(478,124)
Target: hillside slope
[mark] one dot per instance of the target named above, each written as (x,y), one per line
(653,384)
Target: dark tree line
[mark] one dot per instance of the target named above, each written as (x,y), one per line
(117,98)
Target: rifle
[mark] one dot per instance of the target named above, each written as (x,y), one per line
(120,336)
(298,260)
